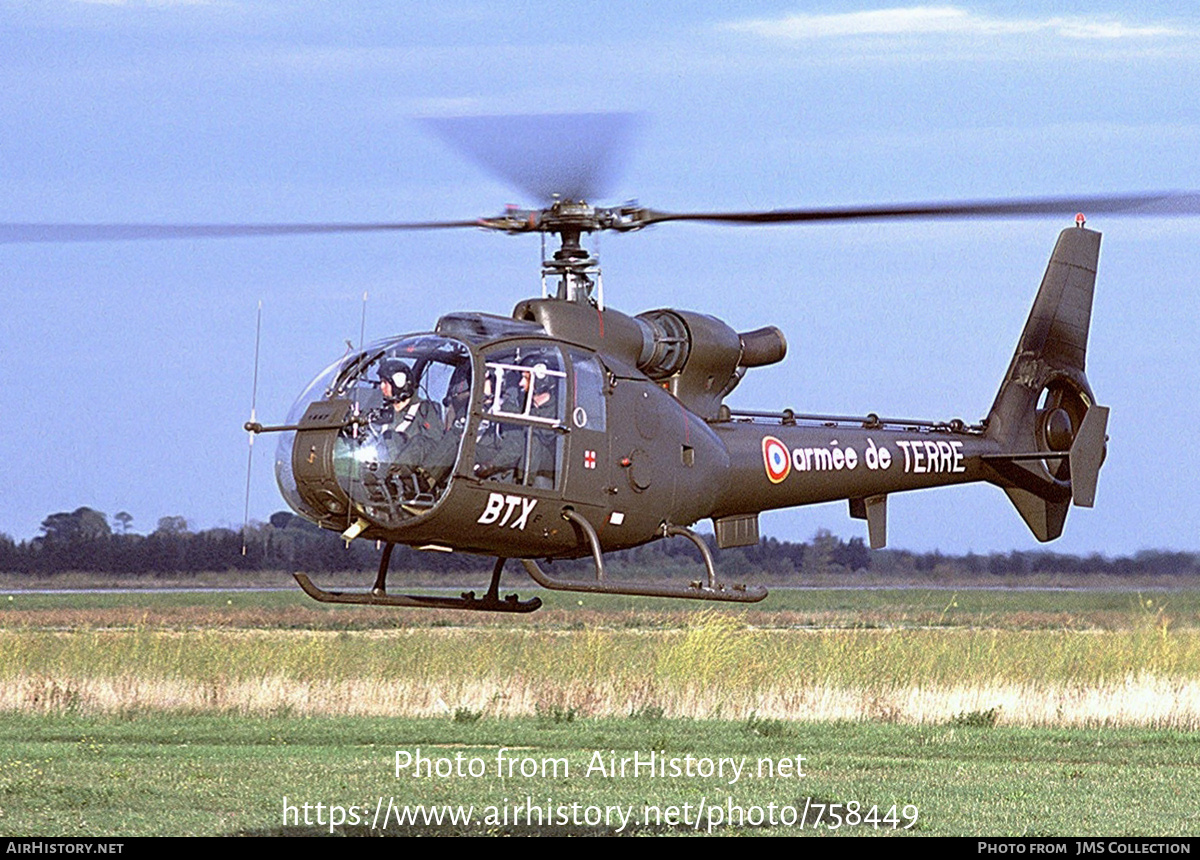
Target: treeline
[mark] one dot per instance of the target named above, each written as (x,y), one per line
(85,540)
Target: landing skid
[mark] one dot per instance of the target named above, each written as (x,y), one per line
(491,602)
(467,600)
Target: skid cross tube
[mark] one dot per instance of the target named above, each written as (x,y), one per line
(693,591)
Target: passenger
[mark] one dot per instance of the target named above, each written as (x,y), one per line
(541,393)
(439,461)
(457,401)
(540,389)
(489,438)
(501,447)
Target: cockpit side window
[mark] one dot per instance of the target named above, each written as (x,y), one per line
(524,401)
(588,409)
(526,382)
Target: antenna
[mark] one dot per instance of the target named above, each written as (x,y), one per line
(253,420)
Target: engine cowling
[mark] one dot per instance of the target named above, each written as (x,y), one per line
(697,357)
(700,358)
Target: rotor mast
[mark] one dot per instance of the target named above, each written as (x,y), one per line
(577,271)
(573,271)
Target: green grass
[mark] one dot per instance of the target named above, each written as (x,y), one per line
(207,775)
(715,667)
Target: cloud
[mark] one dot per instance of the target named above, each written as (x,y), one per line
(942,20)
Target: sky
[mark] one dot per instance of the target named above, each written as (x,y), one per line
(127,367)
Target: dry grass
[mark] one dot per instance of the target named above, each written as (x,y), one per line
(715,666)
(1143,702)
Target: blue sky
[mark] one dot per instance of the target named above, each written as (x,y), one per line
(127,366)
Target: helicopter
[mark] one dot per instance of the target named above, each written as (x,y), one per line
(569,429)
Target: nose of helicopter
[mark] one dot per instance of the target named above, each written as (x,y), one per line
(375,435)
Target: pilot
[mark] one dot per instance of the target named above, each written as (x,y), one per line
(410,425)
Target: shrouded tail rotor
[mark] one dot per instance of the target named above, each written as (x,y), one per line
(1045,416)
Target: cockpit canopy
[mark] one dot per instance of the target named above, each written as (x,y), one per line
(380,435)
(378,432)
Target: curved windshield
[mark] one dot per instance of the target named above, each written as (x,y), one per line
(377,433)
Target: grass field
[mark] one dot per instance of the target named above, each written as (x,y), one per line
(1000,712)
(197,775)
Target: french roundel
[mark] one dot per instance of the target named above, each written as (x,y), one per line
(776,458)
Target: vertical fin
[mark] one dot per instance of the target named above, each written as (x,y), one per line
(873,509)
(1045,402)
(1054,342)
(877,521)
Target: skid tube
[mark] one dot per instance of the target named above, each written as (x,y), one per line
(378,596)
(467,600)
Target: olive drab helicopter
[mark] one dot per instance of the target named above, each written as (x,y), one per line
(569,429)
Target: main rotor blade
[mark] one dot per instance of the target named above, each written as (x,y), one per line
(1154,204)
(1161,203)
(574,156)
(14,233)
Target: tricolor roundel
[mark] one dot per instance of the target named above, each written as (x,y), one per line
(776,458)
